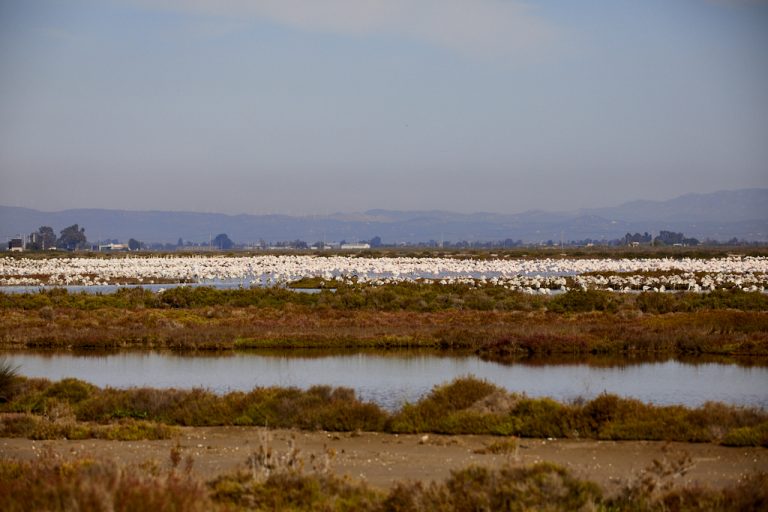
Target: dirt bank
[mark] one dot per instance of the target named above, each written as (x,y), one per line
(382,459)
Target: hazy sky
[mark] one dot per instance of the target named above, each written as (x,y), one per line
(318,106)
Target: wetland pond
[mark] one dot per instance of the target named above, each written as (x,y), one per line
(395,377)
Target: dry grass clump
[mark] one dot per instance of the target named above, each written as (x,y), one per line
(51,484)
(497,402)
(508,446)
(655,488)
(275,480)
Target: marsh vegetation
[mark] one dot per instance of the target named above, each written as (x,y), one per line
(499,317)
(70,408)
(498,323)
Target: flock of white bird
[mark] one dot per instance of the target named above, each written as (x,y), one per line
(529,275)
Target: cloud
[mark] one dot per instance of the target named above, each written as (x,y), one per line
(476,27)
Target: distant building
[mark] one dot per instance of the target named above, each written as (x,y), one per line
(16,244)
(113,247)
(355,247)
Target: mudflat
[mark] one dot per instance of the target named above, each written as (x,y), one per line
(383,459)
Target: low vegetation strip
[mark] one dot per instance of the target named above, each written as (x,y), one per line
(498,323)
(405,296)
(493,334)
(38,408)
(86,484)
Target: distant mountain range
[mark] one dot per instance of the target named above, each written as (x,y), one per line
(719,216)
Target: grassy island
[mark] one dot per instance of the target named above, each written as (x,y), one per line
(497,323)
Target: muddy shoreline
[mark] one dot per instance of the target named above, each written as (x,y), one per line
(381,459)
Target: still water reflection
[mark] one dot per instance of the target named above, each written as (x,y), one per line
(390,379)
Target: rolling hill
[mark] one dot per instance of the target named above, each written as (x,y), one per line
(719,216)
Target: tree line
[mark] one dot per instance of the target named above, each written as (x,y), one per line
(71,238)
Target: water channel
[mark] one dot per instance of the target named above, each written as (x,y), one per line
(393,378)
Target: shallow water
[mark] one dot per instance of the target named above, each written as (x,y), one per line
(392,378)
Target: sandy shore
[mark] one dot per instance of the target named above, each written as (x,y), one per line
(383,459)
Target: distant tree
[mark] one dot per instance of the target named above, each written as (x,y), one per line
(47,237)
(222,242)
(134,245)
(72,238)
(672,238)
(668,238)
(375,241)
(43,238)
(180,242)
(637,237)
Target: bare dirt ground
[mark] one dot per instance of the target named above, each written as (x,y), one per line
(383,459)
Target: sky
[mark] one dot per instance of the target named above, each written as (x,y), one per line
(309,107)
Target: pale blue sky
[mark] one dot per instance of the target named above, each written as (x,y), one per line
(313,106)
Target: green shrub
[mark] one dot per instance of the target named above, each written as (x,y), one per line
(543,417)
(461,393)
(601,410)
(748,436)
(468,422)
(437,412)
(71,390)
(581,301)
(654,302)
(731,299)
